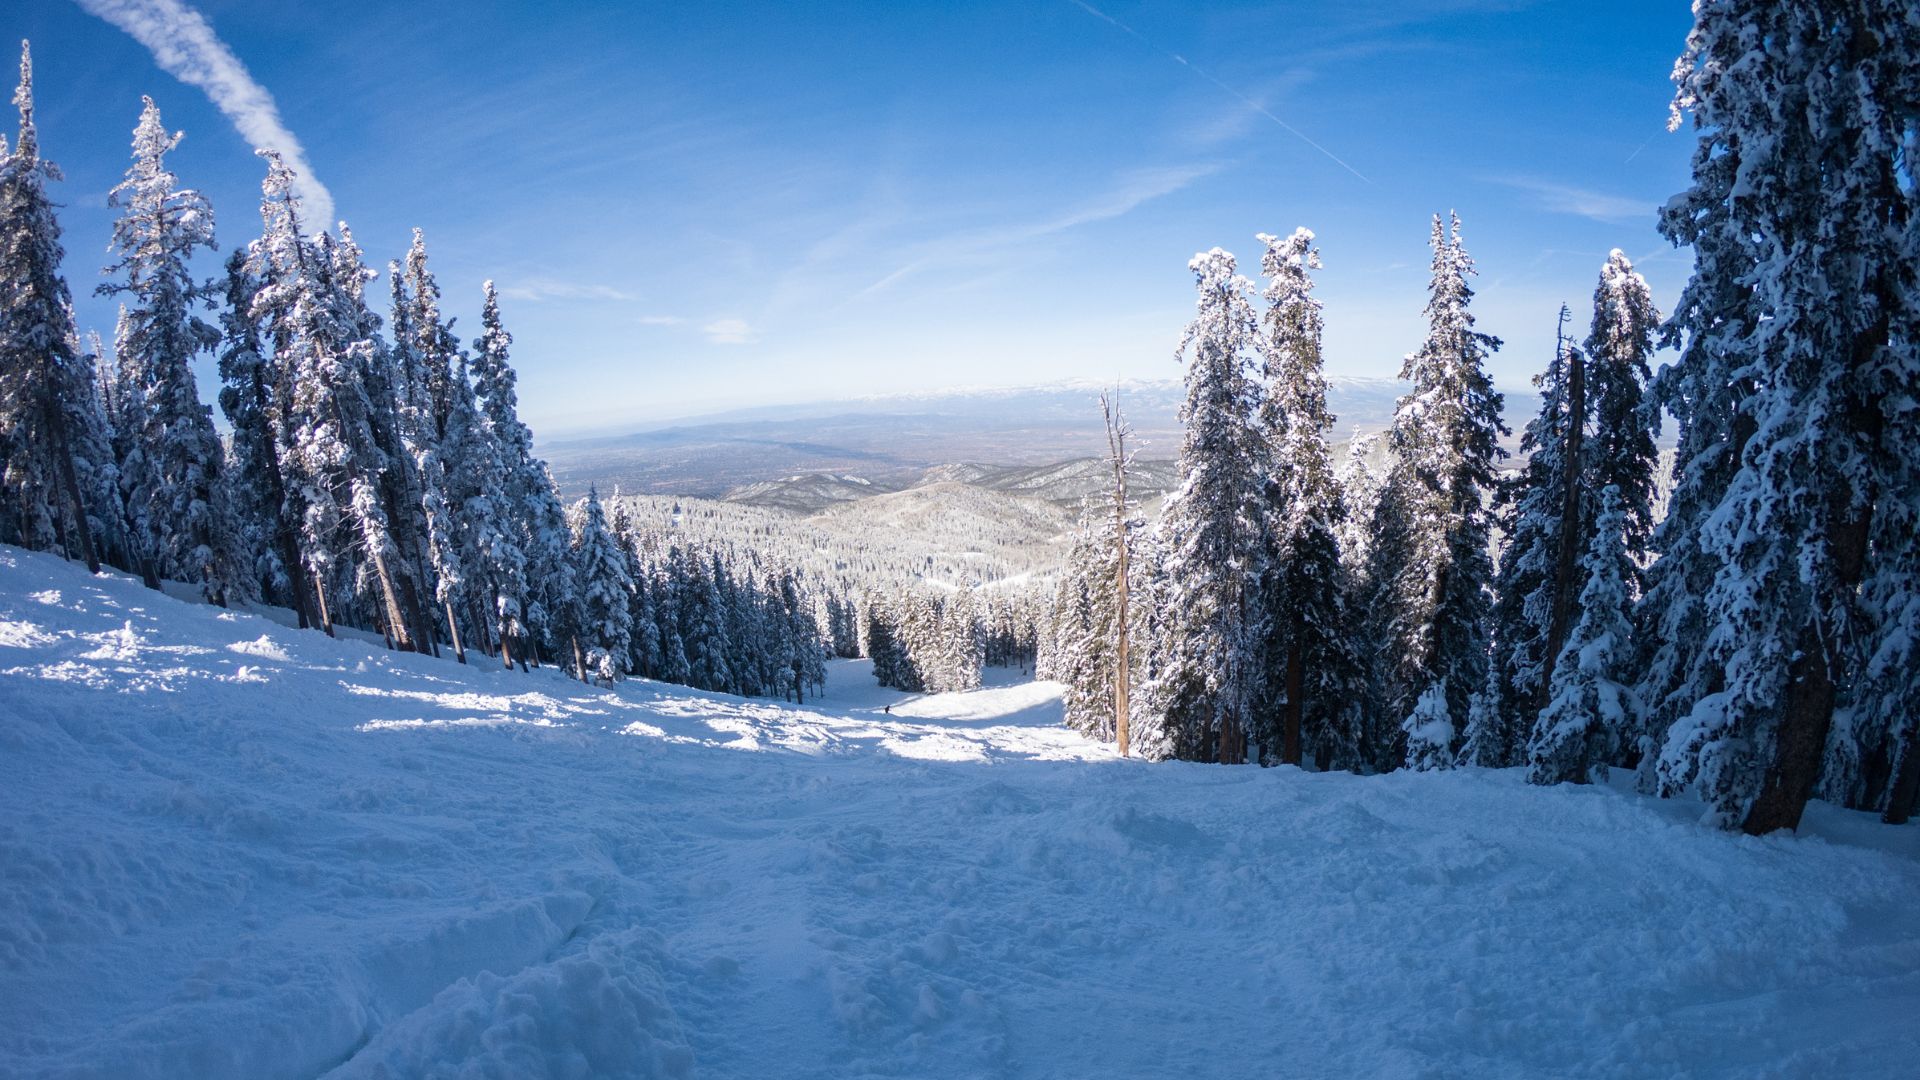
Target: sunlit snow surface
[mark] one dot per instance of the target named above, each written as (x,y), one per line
(228,848)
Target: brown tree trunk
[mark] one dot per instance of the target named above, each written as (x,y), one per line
(1806,714)
(1230,744)
(1806,710)
(63,453)
(453,628)
(478,613)
(1292,711)
(1905,791)
(396,622)
(320,597)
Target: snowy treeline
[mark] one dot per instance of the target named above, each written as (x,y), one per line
(925,640)
(378,475)
(1751,638)
(907,581)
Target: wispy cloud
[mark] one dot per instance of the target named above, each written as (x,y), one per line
(185,47)
(536,290)
(1244,99)
(1580,202)
(659,320)
(1133,189)
(730,332)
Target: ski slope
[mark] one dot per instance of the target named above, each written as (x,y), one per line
(229,848)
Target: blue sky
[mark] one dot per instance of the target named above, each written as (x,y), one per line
(695,206)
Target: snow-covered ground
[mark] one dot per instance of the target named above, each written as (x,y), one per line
(228,848)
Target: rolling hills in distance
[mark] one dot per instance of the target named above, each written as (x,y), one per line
(1040,442)
(948,488)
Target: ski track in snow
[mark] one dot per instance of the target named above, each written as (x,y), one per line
(228,848)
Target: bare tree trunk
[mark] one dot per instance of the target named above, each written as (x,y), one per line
(506,652)
(579,659)
(1290,718)
(390,601)
(1230,743)
(320,596)
(453,628)
(1905,791)
(1806,709)
(1117,432)
(64,457)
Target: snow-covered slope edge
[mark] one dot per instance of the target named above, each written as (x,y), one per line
(232,849)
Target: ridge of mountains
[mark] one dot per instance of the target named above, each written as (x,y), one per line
(1041,442)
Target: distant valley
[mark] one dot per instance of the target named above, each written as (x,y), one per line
(1039,442)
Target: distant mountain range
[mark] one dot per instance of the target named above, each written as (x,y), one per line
(1031,441)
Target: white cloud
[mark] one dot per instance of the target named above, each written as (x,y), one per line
(535,290)
(1593,205)
(185,46)
(730,332)
(659,320)
(1132,189)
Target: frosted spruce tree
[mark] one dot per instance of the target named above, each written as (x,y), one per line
(539,523)
(1542,513)
(1086,614)
(1215,529)
(1814,108)
(1592,705)
(1312,671)
(605,593)
(253,395)
(419,440)
(1430,571)
(172,472)
(406,580)
(48,454)
(1619,445)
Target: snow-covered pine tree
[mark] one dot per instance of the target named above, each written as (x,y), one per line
(438,535)
(93,454)
(1817,107)
(644,632)
(253,396)
(1540,513)
(408,573)
(1431,571)
(703,625)
(1619,449)
(45,389)
(1360,487)
(962,641)
(1312,671)
(527,489)
(606,590)
(1429,731)
(1080,659)
(172,477)
(1215,528)
(1592,706)
(670,599)
(1706,391)
(879,630)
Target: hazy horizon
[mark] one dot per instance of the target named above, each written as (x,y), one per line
(695,210)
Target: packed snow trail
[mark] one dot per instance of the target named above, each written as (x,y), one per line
(228,848)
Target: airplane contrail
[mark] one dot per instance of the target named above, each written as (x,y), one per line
(1204,74)
(185,47)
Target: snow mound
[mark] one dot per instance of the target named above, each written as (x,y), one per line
(231,849)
